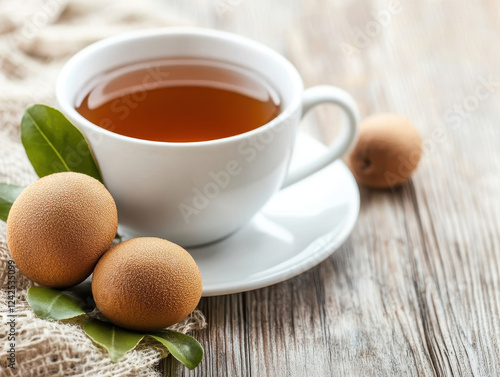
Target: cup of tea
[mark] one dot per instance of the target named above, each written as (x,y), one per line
(193,129)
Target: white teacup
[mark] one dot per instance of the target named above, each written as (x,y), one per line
(198,192)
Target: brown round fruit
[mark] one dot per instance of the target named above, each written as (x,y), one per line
(59,227)
(146,284)
(388,150)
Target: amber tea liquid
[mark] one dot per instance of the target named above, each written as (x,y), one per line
(179,100)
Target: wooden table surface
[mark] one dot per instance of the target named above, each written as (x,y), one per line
(415,290)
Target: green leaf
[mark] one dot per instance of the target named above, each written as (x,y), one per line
(52,305)
(183,347)
(8,193)
(114,339)
(55,145)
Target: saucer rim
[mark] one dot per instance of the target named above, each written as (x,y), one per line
(311,260)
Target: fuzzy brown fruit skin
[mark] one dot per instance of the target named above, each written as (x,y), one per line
(59,227)
(146,284)
(387,152)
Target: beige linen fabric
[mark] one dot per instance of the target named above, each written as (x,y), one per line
(36,37)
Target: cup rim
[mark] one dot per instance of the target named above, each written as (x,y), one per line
(69,110)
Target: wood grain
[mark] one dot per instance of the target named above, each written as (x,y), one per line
(415,291)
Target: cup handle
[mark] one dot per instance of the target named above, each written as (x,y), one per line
(328,94)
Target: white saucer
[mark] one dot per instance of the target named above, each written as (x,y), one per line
(300,227)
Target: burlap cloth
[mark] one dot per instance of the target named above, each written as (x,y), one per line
(36,37)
